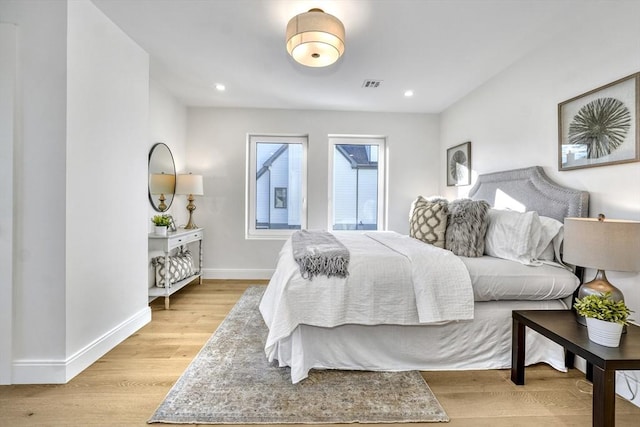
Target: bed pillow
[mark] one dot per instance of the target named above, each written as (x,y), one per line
(513,235)
(428,221)
(550,237)
(466,227)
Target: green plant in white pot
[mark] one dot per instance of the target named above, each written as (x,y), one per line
(161,223)
(605,318)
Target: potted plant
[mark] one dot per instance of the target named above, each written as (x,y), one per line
(161,222)
(605,318)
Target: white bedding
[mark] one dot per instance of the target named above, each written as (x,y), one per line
(441,283)
(484,343)
(379,290)
(496,279)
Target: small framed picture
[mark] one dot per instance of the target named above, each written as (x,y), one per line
(600,127)
(280,197)
(459,164)
(172,224)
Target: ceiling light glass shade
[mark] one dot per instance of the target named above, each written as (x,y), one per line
(315,38)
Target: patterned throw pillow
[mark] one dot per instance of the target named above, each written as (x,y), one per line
(467,227)
(428,221)
(180,267)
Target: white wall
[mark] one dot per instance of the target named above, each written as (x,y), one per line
(512,120)
(106,212)
(8,91)
(217,150)
(79,157)
(38,332)
(167,124)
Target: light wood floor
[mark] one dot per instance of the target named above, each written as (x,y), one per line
(125,386)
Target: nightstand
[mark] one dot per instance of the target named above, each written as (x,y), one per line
(561,327)
(173,240)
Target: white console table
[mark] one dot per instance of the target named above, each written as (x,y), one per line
(172,240)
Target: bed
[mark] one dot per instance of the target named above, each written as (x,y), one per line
(375,318)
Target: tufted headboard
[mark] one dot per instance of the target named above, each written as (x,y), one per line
(529,189)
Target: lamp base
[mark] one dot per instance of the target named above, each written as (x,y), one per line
(190,225)
(597,286)
(191,207)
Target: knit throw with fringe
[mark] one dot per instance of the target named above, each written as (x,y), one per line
(319,253)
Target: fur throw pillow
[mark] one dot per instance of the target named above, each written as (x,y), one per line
(467,227)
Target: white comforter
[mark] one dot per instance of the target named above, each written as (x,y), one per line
(393,279)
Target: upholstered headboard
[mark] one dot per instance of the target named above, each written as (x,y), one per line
(530,189)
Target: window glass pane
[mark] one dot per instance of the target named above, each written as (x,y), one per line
(355,187)
(278,195)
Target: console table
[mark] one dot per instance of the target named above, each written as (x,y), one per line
(561,327)
(167,243)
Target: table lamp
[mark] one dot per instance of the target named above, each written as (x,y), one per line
(162,183)
(601,244)
(192,185)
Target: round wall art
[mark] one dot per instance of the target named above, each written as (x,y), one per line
(459,164)
(600,127)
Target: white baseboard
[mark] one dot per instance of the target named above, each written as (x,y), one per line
(237,274)
(627,382)
(62,371)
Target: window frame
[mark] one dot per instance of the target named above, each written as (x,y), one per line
(251,232)
(381,142)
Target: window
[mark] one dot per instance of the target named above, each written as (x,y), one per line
(276,185)
(356,174)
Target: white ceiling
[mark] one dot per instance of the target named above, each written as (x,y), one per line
(441,49)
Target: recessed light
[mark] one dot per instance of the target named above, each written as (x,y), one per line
(220,87)
(408,93)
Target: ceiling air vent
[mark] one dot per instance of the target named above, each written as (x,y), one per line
(371,83)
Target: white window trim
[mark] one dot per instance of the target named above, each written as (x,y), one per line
(379,140)
(250,188)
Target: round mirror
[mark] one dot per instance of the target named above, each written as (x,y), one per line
(162,177)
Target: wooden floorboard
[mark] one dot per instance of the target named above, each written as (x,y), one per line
(124,387)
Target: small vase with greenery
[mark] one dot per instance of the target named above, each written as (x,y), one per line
(161,222)
(605,317)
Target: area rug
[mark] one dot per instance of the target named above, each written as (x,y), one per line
(231,382)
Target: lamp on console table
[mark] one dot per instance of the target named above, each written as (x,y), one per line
(601,244)
(192,185)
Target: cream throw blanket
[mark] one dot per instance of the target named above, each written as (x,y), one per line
(441,282)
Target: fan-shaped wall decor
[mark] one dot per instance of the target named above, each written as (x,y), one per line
(459,164)
(600,127)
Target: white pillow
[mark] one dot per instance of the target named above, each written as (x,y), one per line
(513,235)
(550,237)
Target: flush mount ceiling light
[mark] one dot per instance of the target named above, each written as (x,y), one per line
(315,38)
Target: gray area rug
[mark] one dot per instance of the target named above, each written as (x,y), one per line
(231,382)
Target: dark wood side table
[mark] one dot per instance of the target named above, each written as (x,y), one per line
(561,327)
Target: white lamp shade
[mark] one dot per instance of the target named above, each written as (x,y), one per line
(161,183)
(189,184)
(604,245)
(315,38)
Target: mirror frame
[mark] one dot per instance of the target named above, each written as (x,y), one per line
(158,149)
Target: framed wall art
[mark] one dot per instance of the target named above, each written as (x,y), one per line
(459,164)
(280,197)
(600,127)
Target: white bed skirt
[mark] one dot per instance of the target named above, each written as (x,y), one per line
(484,343)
